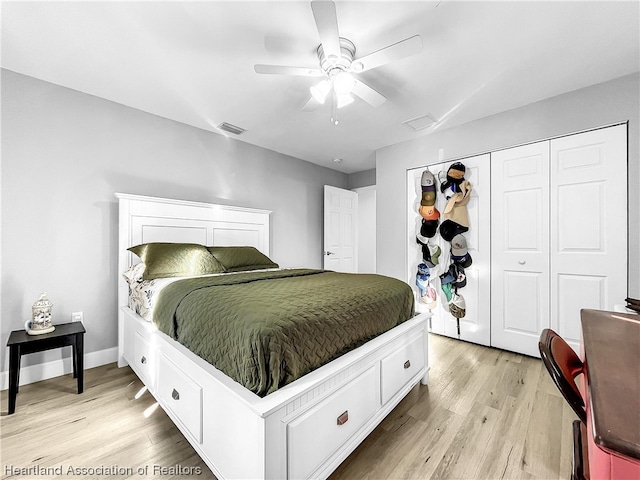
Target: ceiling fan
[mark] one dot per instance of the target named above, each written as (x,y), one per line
(339,66)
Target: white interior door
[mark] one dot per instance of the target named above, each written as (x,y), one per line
(588,226)
(520,247)
(366,229)
(340,234)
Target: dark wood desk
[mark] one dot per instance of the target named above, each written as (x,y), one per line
(611,343)
(21,343)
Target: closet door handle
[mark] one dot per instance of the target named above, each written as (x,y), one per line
(143,360)
(407,364)
(175,394)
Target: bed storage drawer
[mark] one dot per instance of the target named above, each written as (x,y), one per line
(315,435)
(142,358)
(181,395)
(138,348)
(400,367)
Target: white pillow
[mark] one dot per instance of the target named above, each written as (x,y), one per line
(134,273)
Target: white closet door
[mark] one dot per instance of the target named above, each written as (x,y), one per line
(441,319)
(520,247)
(475,325)
(414,252)
(588,226)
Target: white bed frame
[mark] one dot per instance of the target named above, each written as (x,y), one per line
(303,430)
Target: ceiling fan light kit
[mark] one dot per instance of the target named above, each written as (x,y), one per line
(321,90)
(336,57)
(344,100)
(343,83)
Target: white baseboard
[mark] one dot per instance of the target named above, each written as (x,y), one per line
(57,368)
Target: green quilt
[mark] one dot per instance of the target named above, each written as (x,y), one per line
(266,329)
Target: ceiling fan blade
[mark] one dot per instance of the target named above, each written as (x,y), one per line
(404,48)
(311,105)
(324,13)
(284,70)
(368,94)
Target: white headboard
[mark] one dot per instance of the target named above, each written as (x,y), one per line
(150,219)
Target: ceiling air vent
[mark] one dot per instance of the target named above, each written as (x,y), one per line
(420,123)
(227,127)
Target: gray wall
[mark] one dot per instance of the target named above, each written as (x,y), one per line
(366,178)
(65,153)
(599,105)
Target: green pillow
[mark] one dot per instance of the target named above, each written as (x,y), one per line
(240,259)
(176,260)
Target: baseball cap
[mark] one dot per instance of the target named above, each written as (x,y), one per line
(457,306)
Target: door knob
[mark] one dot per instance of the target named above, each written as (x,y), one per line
(329,253)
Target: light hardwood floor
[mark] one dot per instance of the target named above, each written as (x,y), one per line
(486,414)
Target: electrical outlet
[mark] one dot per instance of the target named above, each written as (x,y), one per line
(76,317)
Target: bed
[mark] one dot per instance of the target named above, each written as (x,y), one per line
(304,422)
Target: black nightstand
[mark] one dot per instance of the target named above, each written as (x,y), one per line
(21,343)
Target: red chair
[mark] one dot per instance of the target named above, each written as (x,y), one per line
(563,365)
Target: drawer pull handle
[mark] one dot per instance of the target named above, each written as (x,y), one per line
(143,360)
(407,364)
(175,394)
(344,418)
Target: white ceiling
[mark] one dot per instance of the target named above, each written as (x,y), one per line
(193,62)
